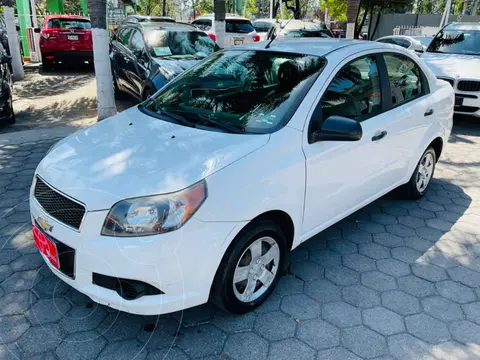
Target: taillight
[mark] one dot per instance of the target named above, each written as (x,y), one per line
(212,36)
(256,38)
(49,34)
(45,35)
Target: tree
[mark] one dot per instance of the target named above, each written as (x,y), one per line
(352,14)
(205,6)
(103,71)
(219,25)
(250,8)
(13,44)
(337,9)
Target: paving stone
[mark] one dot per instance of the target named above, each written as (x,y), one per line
(10,352)
(326,258)
(12,327)
(453,350)
(298,255)
(16,303)
(461,237)
(289,285)
(27,262)
(271,304)
(165,334)
(428,233)
(416,286)
(48,310)
(369,227)
(389,240)
(364,342)
(173,353)
(472,312)
(323,291)
(40,339)
(21,280)
(450,247)
(359,262)
(5,272)
(318,242)
(438,258)
(246,346)
(427,328)
(318,334)
(406,347)
(383,219)
(400,230)
(300,306)
(307,270)
(465,276)
(401,302)
(275,326)
(338,353)
(431,206)
(202,340)
(360,236)
(7,256)
(196,315)
(383,321)
(439,224)
(411,221)
(406,254)
(374,251)
(342,275)
(124,350)
(393,267)
(342,246)
(121,326)
(50,287)
(418,243)
(395,211)
(466,332)
(378,281)
(291,349)
(341,314)
(83,319)
(81,346)
(421,213)
(442,309)
(429,272)
(455,292)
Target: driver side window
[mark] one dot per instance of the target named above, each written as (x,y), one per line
(136,43)
(354,92)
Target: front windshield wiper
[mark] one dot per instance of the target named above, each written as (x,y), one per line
(176,117)
(230,128)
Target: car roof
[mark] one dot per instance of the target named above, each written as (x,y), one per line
(64,16)
(161,26)
(312,46)
(142,18)
(397,37)
(227,17)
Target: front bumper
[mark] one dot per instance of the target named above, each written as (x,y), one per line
(182,263)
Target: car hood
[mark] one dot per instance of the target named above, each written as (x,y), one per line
(171,68)
(133,154)
(453,65)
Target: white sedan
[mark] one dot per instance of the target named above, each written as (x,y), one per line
(201,191)
(417,44)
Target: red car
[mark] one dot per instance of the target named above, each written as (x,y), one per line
(65,38)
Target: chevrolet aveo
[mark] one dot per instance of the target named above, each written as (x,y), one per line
(199,192)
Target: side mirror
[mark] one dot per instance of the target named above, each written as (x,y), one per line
(17,27)
(337,128)
(36,30)
(5,59)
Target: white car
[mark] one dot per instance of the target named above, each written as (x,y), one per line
(262,26)
(298,29)
(414,43)
(454,56)
(238,30)
(202,190)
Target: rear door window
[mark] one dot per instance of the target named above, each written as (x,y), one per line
(239,26)
(59,23)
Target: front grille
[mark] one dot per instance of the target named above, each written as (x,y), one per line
(468,85)
(466,109)
(450,81)
(59,206)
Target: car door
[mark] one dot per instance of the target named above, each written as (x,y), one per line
(137,67)
(119,53)
(344,176)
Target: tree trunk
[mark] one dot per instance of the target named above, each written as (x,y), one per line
(164,9)
(474,8)
(358,29)
(219,17)
(13,43)
(465,7)
(101,59)
(352,11)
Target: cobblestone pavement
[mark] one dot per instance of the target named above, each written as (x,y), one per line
(396,280)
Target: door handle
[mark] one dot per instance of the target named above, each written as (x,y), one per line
(379,136)
(428,113)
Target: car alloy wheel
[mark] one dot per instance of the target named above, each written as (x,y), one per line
(425,171)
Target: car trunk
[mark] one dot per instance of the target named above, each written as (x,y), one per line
(69,34)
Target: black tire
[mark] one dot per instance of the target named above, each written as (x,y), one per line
(411,190)
(222,292)
(116,89)
(47,65)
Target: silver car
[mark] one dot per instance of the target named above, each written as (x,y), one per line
(417,44)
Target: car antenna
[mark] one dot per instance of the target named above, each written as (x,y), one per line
(274,37)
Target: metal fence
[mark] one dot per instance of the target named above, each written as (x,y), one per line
(416,30)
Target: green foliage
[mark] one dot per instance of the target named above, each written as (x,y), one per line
(205,6)
(72,6)
(250,8)
(336,8)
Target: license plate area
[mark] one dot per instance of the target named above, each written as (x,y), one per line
(238,42)
(72,37)
(458,101)
(46,246)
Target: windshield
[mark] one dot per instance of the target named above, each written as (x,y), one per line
(300,33)
(69,24)
(180,44)
(261,26)
(251,91)
(456,41)
(239,26)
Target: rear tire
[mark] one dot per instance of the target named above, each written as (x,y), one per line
(248,257)
(47,65)
(422,176)
(12,119)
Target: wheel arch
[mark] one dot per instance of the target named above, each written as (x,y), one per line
(437,145)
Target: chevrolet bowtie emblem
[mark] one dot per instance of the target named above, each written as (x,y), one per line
(44,224)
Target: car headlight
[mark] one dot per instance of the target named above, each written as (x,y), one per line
(152,215)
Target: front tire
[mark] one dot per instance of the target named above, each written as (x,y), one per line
(422,176)
(250,269)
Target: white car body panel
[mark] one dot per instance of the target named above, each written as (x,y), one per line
(247,175)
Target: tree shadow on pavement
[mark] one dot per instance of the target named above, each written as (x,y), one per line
(53,85)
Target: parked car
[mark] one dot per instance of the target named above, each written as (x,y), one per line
(408,42)
(145,56)
(298,29)
(262,26)
(454,56)
(238,30)
(65,38)
(143,18)
(4,39)
(6,88)
(202,190)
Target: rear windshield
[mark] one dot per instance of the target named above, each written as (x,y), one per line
(262,26)
(308,33)
(69,24)
(250,91)
(239,26)
(180,44)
